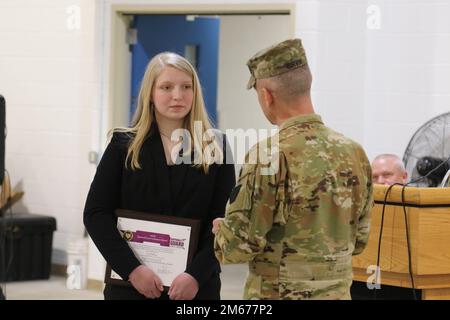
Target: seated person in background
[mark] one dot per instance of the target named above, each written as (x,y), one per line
(387,169)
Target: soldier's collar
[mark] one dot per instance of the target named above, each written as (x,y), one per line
(301,119)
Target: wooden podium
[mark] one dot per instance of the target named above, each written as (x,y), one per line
(428,213)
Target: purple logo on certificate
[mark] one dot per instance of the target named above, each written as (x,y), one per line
(144,236)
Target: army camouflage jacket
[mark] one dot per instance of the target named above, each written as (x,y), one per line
(299,219)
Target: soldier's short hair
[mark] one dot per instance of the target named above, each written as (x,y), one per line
(290,85)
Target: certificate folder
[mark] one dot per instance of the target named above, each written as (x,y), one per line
(166,244)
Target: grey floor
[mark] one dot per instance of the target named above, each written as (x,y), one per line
(233,277)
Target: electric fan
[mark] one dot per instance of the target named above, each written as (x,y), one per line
(429,148)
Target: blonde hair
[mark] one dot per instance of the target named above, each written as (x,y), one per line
(144,116)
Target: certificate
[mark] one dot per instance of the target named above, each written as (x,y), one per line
(165,244)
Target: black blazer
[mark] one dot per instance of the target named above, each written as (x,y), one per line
(191,193)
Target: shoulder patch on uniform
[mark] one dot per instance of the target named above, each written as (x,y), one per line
(234,193)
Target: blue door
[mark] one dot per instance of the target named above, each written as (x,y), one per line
(158,33)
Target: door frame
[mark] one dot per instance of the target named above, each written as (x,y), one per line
(115,59)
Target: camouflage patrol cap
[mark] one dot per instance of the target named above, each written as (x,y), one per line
(275,60)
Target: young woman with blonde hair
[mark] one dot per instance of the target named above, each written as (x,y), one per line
(146,168)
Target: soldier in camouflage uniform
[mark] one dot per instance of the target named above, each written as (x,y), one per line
(297,226)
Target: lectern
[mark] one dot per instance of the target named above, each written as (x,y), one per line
(428,217)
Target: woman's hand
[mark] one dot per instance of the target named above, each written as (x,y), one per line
(146,282)
(184,287)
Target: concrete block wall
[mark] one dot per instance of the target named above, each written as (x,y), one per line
(408,78)
(48,78)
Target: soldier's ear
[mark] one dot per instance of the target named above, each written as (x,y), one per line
(267,97)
